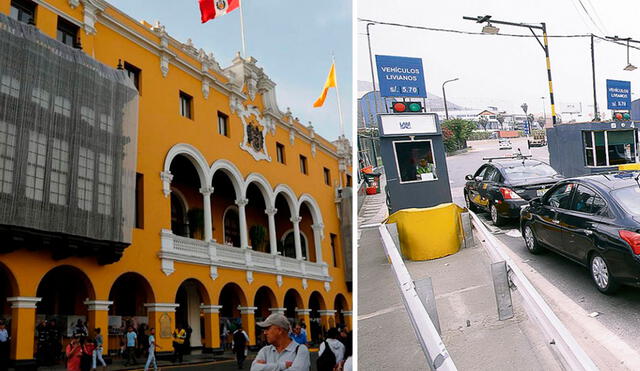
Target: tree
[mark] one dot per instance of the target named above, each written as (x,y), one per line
(483,121)
(500,117)
(460,131)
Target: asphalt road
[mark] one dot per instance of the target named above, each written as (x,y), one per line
(620,314)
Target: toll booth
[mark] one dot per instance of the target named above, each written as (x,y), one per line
(414,160)
(592,147)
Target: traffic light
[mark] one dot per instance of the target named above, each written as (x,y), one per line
(621,116)
(401,107)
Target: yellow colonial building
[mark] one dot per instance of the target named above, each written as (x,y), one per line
(142,182)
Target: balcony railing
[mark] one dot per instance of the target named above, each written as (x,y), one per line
(183,249)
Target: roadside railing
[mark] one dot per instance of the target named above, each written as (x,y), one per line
(571,352)
(434,350)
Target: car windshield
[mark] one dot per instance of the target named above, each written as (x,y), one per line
(529,170)
(628,198)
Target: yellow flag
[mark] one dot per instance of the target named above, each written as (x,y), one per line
(330,83)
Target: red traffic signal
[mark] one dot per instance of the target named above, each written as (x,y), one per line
(399,107)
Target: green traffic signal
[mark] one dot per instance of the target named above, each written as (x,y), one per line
(415,107)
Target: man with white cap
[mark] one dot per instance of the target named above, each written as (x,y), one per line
(282,353)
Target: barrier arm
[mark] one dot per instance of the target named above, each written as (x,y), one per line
(426,333)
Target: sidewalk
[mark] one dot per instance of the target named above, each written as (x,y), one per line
(471,331)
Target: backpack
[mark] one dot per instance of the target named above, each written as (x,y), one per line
(327,360)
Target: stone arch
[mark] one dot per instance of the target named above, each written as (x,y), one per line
(313,207)
(289,196)
(190,294)
(264,299)
(192,154)
(263,186)
(292,300)
(63,290)
(232,172)
(303,239)
(124,285)
(231,296)
(316,304)
(232,208)
(340,304)
(8,288)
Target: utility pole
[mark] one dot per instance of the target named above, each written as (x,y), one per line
(544,44)
(596,116)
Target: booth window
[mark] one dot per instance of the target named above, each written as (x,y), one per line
(415,161)
(609,148)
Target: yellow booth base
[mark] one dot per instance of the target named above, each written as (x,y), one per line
(429,233)
(629,167)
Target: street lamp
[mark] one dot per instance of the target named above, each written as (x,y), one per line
(490,29)
(444,96)
(629,66)
(544,111)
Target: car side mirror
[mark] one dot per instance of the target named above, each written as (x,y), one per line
(469,177)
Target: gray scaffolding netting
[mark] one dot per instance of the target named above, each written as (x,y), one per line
(68,139)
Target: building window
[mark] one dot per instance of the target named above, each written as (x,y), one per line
(231,221)
(40,97)
(303,165)
(10,85)
(609,148)
(7,155)
(105,183)
(185,105)
(59,171)
(134,74)
(223,124)
(67,32)
(139,200)
(88,115)
(62,105)
(106,122)
(327,176)
(348,180)
(23,11)
(280,153)
(36,164)
(86,165)
(415,161)
(333,249)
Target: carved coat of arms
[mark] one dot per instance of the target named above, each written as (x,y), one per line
(254,136)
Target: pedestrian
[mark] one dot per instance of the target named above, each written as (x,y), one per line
(88,347)
(4,347)
(299,335)
(73,353)
(152,351)
(97,353)
(80,330)
(282,352)
(54,342)
(186,348)
(143,341)
(239,345)
(179,334)
(331,352)
(131,347)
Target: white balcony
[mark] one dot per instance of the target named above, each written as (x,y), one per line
(182,249)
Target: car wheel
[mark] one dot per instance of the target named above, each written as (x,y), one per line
(495,217)
(601,275)
(470,205)
(530,240)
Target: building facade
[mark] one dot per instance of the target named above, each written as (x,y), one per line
(160,187)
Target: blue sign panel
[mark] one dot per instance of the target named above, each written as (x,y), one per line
(526,128)
(618,95)
(400,76)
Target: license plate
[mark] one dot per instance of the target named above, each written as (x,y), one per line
(541,192)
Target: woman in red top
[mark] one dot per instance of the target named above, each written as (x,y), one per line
(74,355)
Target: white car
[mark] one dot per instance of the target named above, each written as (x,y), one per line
(504,144)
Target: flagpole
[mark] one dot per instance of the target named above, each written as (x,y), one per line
(244,48)
(338,96)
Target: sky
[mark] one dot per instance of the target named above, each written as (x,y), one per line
(504,71)
(292,40)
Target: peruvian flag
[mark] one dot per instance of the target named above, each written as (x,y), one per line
(209,9)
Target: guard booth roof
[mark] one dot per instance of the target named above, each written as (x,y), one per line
(68,127)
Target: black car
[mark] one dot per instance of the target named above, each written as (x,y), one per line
(593,220)
(502,186)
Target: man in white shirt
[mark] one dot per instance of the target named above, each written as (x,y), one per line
(282,353)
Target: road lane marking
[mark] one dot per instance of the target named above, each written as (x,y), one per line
(380,312)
